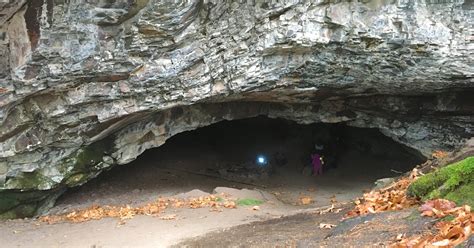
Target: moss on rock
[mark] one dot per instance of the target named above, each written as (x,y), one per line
(18,204)
(454,182)
(38,192)
(21,211)
(86,163)
(463,194)
(31,181)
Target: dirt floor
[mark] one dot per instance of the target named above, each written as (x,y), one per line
(192,166)
(302,230)
(136,184)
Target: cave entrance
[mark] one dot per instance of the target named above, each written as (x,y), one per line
(226,154)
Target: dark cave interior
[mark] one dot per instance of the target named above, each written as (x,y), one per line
(225,153)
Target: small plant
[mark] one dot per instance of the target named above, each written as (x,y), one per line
(248,202)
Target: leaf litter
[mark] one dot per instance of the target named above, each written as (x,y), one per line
(96,212)
(449,233)
(394,197)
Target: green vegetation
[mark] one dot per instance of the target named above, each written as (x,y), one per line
(454,182)
(77,169)
(25,210)
(85,163)
(20,204)
(30,180)
(248,202)
(447,218)
(463,195)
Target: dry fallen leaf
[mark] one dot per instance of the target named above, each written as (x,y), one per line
(439,154)
(256,208)
(392,197)
(230,204)
(168,217)
(326,226)
(330,209)
(443,242)
(305,200)
(400,236)
(438,207)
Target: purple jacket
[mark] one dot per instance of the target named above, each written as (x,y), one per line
(317,165)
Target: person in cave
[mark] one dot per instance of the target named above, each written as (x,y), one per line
(317,162)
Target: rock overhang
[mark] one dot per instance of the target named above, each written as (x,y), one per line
(100,84)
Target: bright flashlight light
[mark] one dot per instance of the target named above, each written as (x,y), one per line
(261,160)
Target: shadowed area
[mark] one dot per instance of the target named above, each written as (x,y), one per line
(225,154)
(222,158)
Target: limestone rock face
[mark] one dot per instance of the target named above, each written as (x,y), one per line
(86,85)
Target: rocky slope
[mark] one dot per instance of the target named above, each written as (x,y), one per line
(85,86)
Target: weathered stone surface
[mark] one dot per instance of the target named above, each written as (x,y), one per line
(86,85)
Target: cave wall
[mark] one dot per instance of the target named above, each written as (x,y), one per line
(86,85)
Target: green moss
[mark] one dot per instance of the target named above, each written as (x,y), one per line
(453,182)
(92,155)
(447,218)
(20,204)
(30,181)
(75,180)
(248,202)
(25,210)
(463,194)
(84,164)
(7,202)
(77,169)
(8,215)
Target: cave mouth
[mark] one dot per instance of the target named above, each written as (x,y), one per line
(226,154)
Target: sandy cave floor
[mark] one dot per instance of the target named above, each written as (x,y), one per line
(145,179)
